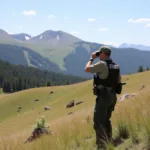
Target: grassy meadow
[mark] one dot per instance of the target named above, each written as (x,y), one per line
(130,119)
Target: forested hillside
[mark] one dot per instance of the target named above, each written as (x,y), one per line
(18,77)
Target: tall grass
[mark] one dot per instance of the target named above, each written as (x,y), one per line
(77,133)
(130,119)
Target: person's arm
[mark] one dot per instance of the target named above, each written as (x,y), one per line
(89,63)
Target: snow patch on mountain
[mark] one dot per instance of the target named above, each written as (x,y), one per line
(41,37)
(58,38)
(27,37)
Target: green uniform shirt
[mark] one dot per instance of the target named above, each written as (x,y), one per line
(101,68)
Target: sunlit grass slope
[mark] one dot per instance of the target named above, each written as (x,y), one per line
(57,101)
(73,131)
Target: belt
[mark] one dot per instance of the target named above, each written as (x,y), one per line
(101,86)
(108,89)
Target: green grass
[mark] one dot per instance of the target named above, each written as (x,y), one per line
(55,54)
(131,117)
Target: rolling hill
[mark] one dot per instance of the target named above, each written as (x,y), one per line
(15,130)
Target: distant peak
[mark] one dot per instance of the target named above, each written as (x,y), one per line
(22,36)
(2,31)
(49,31)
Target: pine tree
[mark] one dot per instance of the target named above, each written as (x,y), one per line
(6,86)
(18,77)
(147,69)
(48,83)
(140,69)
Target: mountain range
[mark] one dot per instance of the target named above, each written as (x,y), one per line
(22,36)
(27,57)
(139,46)
(62,52)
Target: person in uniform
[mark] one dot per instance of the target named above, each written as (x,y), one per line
(106,78)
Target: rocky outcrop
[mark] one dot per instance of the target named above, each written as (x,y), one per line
(142,87)
(51,92)
(20,107)
(70,113)
(70,104)
(36,100)
(126,96)
(46,108)
(80,102)
(38,132)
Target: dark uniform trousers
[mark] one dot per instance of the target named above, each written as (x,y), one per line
(104,106)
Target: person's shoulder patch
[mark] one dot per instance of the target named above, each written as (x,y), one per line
(113,66)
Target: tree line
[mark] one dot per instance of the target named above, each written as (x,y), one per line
(18,77)
(141,69)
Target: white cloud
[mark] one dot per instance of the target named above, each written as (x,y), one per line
(140,20)
(91,19)
(103,29)
(147,25)
(75,33)
(51,16)
(29,13)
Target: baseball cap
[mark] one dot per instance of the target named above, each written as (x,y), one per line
(105,49)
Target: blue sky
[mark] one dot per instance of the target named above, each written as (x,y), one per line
(103,21)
